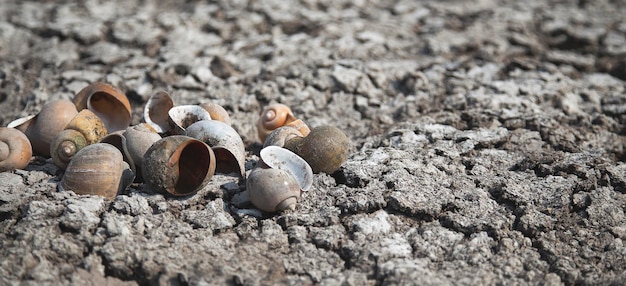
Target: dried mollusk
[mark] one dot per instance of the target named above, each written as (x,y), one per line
(178,165)
(226,143)
(15,149)
(85,128)
(97,169)
(183,116)
(155,112)
(43,127)
(108,102)
(216,111)
(272,190)
(276,183)
(273,116)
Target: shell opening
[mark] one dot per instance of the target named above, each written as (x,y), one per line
(111,111)
(225,161)
(192,155)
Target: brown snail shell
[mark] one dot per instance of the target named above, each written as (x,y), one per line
(155,111)
(272,190)
(43,127)
(178,165)
(85,128)
(273,116)
(15,149)
(108,102)
(325,148)
(226,143)
(97,169)
(217,112)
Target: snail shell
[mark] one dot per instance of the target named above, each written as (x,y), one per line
(272,190)
(273,116)
(178,165)
(85,128)
(97,169)
(133,143)
(325,148)
(182,116)
(217,112)
(277,181)
(280,158)
(155,111)
(43,127)
(15,149)
(108,102)
(281,135)
(226,143)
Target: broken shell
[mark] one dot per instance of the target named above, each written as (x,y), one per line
(108,102)
(217,112)
(155,111)
(280,158)
(180,117)
(226,143)
(325,148)
(273,116)
(43,127)
(97,169)
(272,190)
(281,135)
(15,149)
(178,165)
(133,143)
(85,128)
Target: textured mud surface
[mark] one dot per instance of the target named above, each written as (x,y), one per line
(487,141)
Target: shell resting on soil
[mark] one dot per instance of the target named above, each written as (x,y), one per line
(226,143)
(178,165)
(97,169)
(277,181)
(15,149)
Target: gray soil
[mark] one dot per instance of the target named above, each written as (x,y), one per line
(487,141)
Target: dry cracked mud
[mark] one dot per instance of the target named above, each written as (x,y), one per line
(487,141)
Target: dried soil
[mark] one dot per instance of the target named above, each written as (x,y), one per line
(486,141)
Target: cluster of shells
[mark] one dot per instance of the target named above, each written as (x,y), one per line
(176,150)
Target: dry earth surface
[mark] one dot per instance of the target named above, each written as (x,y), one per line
(487,141)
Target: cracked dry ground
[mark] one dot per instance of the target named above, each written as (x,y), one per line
(487,141)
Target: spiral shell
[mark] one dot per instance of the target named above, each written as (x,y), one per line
(226,143)
(178,165)
(276,183)
(108,103)
(325,148)
(15,149)
(43,127)
(97,169)
(272,117)
(85,128)
(272,190)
